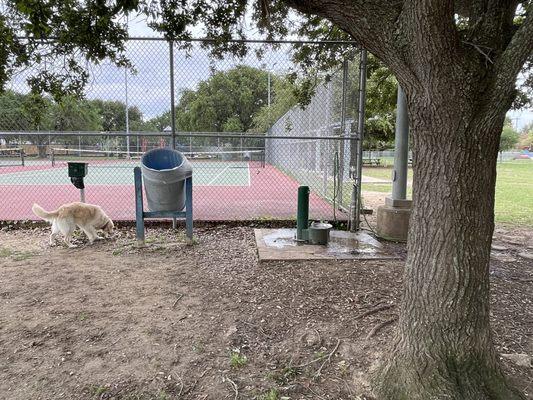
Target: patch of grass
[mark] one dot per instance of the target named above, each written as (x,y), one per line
(83,316)
(514,188)
(284,376)
(159,247)
(98,391)
(134,393)
(23,255)
(198,348)
(5,252)
(514,192)
(151,240)
(182,237)
(118,252)
(162,395)
(343,367)
(319,354)
(16,255)
(237,360)
(384,173)
(272,394)
(376,187)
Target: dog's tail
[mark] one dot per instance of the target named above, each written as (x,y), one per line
(40,212)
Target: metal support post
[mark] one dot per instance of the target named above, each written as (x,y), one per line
(172,108)
(188,207)
(127,114)
(139,217)
(340,177)
(401,148)
(356,197)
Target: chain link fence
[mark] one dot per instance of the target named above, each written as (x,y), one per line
(237,119)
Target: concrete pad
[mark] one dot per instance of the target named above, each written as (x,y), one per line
(279,245)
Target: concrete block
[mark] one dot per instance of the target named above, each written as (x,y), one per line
(393,223)
(390,202)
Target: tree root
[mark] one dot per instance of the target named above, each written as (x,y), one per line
(380,326)
(374,310)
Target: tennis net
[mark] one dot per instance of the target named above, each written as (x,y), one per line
(119,159)
(11,156)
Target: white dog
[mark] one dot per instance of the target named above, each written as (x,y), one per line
(65,219)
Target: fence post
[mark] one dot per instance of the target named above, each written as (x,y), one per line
(356,194)
(139,209)
(340,177)
(127,113)
(188,207)
(401,151)
(172,109)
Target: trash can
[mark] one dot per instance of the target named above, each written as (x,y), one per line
(164,172)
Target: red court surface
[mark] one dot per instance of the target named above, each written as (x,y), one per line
(270,194)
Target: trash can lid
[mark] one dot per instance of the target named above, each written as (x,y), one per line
(162,159)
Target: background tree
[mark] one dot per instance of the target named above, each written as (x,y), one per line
(283,98)
(37,115)
(113,115)
(113,119)
(380,111)
(457,62)
(12,117)
(509,138)
(160,122)
(226,102)
(526,137)
(72,114)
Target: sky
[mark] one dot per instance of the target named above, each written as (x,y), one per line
(149,87)
(138,27)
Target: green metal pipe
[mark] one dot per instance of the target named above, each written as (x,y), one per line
(302,218)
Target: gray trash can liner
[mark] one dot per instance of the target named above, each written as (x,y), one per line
(164,172)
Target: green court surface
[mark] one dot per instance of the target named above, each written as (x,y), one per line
(205,173)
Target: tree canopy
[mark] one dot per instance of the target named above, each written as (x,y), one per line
(226,102)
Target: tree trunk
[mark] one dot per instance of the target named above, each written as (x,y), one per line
(444,348)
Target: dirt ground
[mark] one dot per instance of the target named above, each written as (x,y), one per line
(208,321)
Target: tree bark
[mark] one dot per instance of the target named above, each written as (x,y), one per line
(459,82)
(444,348)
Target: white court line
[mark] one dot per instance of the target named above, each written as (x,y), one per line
(216,177)
(23,174)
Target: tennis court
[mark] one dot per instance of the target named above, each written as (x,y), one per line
(112,173)
(227,186)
